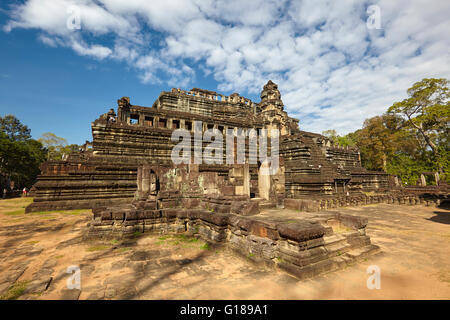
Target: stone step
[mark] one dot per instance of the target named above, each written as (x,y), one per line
(337,248)
(334,238)
(266,205)
(364,252)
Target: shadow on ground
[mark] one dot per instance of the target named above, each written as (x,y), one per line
(440,217)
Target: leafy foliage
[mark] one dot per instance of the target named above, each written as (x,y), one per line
(56,146)
(411,137)
(427,111)
(21,156)
(14,129)
(20,160)
(346,140)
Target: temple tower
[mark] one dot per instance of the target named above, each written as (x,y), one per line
(272,109)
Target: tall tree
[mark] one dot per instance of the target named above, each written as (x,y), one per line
(20,160)
(427,110)
(55,145)
(346,140)
(14,129)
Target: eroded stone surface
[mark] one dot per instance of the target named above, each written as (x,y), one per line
(414,263)
(104,172)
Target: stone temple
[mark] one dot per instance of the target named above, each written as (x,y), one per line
(105,171)
(127,176)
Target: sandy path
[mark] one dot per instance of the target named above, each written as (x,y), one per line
(36,249)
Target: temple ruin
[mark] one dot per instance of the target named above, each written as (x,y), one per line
(128,177)
(104,172)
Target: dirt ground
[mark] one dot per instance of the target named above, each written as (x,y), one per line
(37,249)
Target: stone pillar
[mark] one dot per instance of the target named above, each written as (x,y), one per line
(145,176)
(246,179)
(423,181)
(396,181)
(139,179)
(264,181)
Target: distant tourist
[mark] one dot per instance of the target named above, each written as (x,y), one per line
(25,192)
(5,191)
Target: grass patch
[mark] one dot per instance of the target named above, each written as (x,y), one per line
(205,246)
(97,248)
(59,256)
(16,202)
(15,291)
(279,260)
(341,229)
(68,212)
(179,239)
(15,212)
(76,212)
(183,238)
(32,242)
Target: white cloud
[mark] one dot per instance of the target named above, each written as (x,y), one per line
(96,51)
(333,72)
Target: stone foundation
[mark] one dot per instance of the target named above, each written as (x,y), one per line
(321,204)
(304,248)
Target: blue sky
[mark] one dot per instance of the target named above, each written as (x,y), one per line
(333,70)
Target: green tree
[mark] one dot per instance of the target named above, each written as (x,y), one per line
(331,134)
(427,111)
(69,149)
(20,160)
(379,138)
(14,129)
(346,140)
(412,136)
(55,145)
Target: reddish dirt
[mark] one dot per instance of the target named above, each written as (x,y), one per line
(34,248)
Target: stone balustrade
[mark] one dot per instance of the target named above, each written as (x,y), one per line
(234,98)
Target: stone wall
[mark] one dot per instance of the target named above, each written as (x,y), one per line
(315,166)
(320,204)
(137,135)
(303,248)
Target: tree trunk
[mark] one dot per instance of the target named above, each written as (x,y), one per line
(384,157)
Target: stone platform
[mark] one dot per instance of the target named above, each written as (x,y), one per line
(359,199)
(303,244)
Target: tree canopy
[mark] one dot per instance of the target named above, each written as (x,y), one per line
(21,156)
(56,146)
(14,129)
(411,137)
(427,111)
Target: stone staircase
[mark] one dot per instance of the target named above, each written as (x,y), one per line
(264,204)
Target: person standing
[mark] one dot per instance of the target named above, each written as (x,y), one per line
(5,191)
(25,192)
